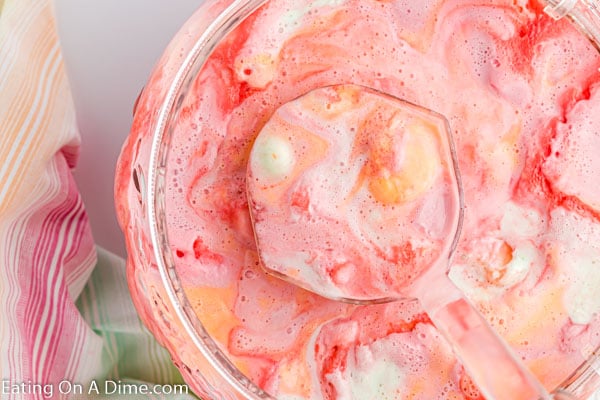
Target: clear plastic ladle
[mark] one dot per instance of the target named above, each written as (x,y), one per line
(355,195)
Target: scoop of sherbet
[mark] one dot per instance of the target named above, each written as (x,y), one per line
(352,192)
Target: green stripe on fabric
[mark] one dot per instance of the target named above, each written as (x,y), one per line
(130,353)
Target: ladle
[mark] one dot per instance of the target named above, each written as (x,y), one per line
(355,195)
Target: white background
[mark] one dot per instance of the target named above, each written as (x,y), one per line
(109,48)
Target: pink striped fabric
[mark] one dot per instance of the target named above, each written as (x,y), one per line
(46,248)
(60,320)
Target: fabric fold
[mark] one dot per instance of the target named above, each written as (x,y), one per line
(66,315)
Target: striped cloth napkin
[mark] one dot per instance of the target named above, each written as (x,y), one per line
(68,328)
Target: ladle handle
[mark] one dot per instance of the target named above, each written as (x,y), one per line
(584,382)
(492,366)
